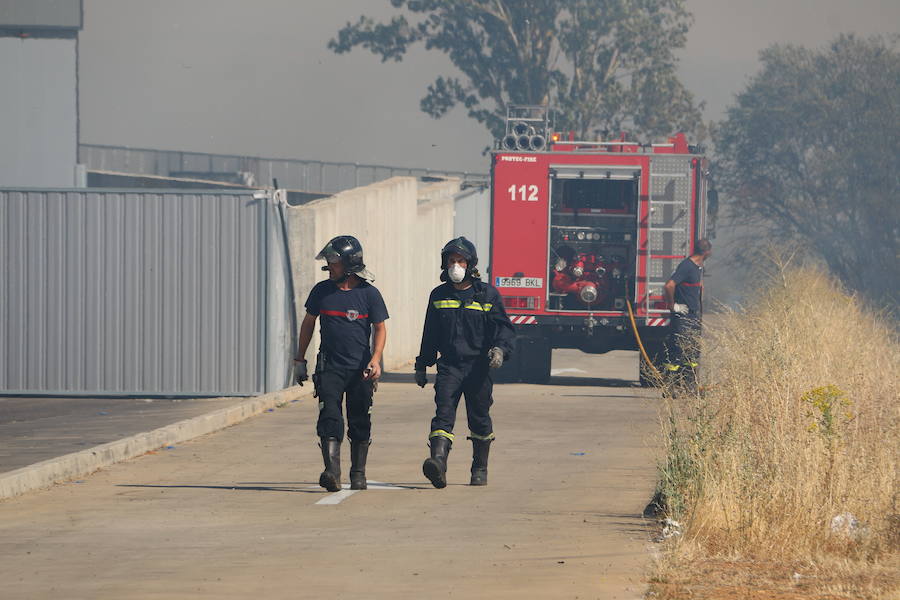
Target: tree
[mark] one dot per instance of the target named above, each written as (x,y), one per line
(810,151)
(603,65)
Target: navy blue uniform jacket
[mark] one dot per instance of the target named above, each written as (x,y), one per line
(688,278)
(464,324)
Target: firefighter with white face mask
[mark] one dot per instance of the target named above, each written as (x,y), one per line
(467,333)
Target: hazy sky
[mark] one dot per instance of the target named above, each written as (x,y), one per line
(255,78)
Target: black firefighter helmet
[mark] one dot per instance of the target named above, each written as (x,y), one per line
(464,248)
(347,250)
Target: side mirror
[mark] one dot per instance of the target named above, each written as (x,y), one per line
(712,203)
(712,210)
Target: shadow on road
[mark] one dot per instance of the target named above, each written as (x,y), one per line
(262,486)
(401,378)
(634,524)
(559,380)
(592,382)
(238,487)
(604,396)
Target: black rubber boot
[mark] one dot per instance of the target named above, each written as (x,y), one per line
(435,468)
(480,451)
(359,451)
(330,479)
(656,509)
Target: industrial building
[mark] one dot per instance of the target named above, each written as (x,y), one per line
(39,103)
(135,272)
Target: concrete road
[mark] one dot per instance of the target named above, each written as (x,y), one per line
(33,429)
(238,514)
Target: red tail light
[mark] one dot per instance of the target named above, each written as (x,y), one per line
(519,302)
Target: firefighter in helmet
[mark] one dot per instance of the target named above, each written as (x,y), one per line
(350,308)
(466,324)
(684,295)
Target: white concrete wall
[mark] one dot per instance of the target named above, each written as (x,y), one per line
(473,220)
(402,225)
(38,112)
(435,228)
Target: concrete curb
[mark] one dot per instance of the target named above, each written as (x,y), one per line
(79,464)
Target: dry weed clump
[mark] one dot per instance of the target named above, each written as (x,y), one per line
(790,450)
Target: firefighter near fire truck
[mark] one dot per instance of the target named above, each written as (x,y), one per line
(350,309)
(467,333)
(684,294)
(584,234)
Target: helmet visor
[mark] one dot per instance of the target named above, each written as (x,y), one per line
(329,254)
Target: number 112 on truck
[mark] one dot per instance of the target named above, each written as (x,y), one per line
(581,229)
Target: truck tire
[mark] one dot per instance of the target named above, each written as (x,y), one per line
(656,350)
(530,362)
(537,356)
(508,373)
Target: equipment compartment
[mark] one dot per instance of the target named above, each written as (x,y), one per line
(593,235)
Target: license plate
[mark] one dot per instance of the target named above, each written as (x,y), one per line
(519,282)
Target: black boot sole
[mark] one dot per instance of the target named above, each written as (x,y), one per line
(328,481)
(432,470)
(358,483)
(478,480)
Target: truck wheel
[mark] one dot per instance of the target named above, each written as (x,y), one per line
(646,376)
(536,356)
(511,371)
(508,373)
(530,362)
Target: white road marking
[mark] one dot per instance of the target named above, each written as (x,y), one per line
(337,497)
(346,492)
(569,370)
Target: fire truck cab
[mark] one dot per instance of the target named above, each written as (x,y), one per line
(582,229)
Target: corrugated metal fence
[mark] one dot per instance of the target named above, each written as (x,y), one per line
(292,174)
(118,292)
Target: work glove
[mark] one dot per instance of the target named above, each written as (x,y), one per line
(680,309)
(421,379)
(495,358)
(300,374)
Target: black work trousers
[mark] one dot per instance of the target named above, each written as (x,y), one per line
(332,385)
(683,347)
(465,377)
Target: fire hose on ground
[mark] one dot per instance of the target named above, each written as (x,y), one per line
(640,344)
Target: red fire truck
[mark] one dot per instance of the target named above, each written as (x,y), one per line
(583,229)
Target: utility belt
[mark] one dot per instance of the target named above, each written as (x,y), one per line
(322,362)
(462,361)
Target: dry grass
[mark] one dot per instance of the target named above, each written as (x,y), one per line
(689,576)
(798,423)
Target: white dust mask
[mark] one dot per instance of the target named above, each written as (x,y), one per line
(456,273)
